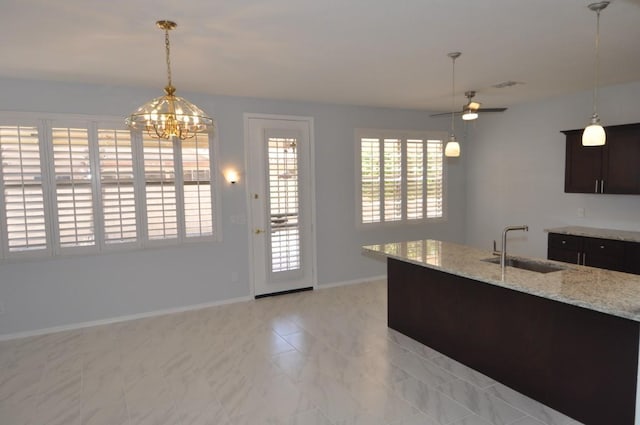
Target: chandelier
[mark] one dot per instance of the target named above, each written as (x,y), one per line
(169,116)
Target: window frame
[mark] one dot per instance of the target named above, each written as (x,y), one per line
(403,136)
(44,123)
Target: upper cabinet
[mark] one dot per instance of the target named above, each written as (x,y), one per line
(613,168)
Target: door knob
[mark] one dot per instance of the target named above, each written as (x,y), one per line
(258,231)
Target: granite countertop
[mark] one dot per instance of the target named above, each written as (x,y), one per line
(606,291)
(592,232)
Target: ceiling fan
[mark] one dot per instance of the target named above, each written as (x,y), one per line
(471,109)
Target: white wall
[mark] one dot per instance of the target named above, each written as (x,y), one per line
(64,291)
(515,171)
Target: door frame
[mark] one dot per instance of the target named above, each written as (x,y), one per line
(312,193)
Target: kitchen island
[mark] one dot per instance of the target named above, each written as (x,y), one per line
(568,338)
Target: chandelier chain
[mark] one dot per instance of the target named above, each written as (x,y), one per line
(168,53)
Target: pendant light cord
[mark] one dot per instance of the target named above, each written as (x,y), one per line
(453,95)
(596,66)
(168,49)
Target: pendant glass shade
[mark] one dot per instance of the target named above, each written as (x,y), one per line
(452,149)
(594,134)
(169,116)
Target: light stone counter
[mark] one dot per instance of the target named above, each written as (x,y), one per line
(600,290)
(592,232)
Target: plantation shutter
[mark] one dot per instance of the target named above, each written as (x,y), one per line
(24,210)
(74,197)
(117,186)
(196,170)
(435,179)
(392,180)
(160,188)
(370,173)
(415,179)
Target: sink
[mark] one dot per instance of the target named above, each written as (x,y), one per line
(531,265)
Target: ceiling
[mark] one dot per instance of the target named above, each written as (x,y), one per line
(364,52)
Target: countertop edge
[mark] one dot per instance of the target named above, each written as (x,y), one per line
(593,232)
(515,285)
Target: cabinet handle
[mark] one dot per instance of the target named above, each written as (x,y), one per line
(564,242)
(584,258)
(601,246)
(601,186)
(578,263)
(596,191)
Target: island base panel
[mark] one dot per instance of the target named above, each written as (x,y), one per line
(578,361)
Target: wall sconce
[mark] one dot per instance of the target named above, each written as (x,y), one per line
(231,176)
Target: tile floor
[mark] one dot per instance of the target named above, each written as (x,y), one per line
(314,358)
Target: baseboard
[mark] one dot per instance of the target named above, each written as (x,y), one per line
(353,282)
(118,319)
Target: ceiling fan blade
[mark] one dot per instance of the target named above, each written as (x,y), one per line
(442,114)
(492,109)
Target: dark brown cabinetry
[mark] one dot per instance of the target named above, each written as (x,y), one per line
(608,254)
(613,168)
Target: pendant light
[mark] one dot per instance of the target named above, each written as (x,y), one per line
(452,149)
(169,116)
(594,134)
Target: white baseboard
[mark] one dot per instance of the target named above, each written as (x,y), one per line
(112,320)
(353,282)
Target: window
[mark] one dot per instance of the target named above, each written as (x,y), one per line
(94,185)
(401,176)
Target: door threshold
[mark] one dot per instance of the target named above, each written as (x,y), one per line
(290,291)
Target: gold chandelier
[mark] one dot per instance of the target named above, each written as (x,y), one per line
(169,116)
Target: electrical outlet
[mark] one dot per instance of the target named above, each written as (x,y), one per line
(581,212)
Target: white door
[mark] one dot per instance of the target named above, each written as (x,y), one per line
(280,186)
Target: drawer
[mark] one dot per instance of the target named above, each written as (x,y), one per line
(608,247)
(570,242)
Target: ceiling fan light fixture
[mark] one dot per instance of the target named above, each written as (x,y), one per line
(469,114)
(169,116)
(594,134)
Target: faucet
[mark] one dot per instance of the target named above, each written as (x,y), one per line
(503,253)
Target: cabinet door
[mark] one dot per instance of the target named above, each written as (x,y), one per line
(621,160)
(583,165)
(632,258)
(565,248)
(604,253)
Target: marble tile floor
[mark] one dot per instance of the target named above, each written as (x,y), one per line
(313,358)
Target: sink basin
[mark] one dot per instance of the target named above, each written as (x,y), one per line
(531,265)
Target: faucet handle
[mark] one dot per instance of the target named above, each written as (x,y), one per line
(495,248)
